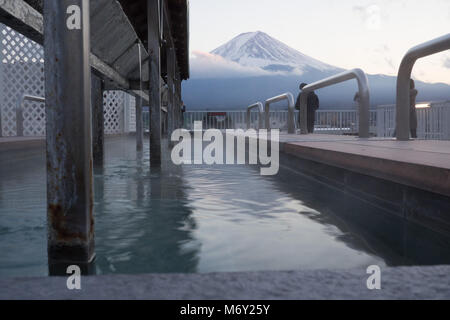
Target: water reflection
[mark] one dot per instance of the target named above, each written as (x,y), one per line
(369,227)
(144,222)
(23,232)
(189,219)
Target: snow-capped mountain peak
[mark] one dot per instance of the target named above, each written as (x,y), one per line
(258,49)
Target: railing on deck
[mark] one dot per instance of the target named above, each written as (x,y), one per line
(327,121)
(291,110)
(403,80)
(260,109)
(433,122)
(363,93)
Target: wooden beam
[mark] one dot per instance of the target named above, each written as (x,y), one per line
(20,16)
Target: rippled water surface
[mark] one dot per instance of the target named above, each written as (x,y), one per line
(181,219)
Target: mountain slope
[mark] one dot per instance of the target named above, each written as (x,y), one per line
(282,70)
(257,49)
(238,93)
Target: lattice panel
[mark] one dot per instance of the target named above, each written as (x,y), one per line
(132,113)
(113,103)
(22,71)
(33,119)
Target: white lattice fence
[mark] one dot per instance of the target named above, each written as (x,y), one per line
(131,116)
(113,103)
(22,72)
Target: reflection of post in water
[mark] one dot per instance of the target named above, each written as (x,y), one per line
(354,201)
(171,225)
(140,178)
(146,225)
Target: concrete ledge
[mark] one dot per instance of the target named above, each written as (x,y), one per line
(420,164)
(397,283)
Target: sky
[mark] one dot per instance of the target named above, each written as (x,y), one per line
(372,35)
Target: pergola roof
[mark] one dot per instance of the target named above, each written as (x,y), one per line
(116,28)
(179,25)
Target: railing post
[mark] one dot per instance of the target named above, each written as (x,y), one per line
(98,121)
(260,108)
(364,96)
(139,115)
(69,151)
(291,110)
(403,80)
(171,112)
(364,103)
(154,50)
(19,117)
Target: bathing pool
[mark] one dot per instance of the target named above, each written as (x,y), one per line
(193,219)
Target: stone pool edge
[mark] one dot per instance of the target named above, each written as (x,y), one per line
(409,283)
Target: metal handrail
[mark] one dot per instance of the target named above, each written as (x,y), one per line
(19,110)
(403,80)
(291,110)
(260,107)
(364,95)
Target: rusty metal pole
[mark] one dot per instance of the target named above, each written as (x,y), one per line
(139,113)
(69,152)
(171,105)
(98,121)
(178,90)
(154,50)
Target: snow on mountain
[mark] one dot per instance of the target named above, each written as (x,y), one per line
(258,49)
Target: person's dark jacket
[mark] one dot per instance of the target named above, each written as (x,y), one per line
(313,102)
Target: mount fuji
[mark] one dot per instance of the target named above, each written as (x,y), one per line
(258,49)
(254,67)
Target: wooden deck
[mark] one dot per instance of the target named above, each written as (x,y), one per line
(419,163)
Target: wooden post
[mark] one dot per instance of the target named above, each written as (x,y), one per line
(154,50)
(98,121)
(69,137)
(139,112)
(171,106)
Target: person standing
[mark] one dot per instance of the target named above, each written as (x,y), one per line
(412,108)
(313,105)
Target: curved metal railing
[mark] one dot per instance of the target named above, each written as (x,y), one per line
(291,110)
(260,107)
(364,98)
(403,80)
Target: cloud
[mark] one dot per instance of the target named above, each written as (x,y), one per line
(206,65)
(447,63)
(390,62)
(370,15)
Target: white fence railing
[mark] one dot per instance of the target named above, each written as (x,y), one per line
(327,121)
(433,122)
